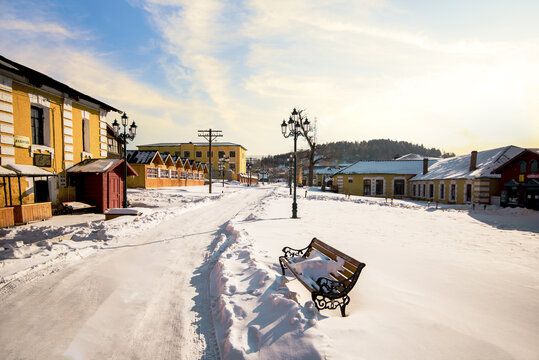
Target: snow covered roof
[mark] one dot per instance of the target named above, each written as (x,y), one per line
(415,157)
(405,167)
(328,170)
(141,156)
(459,167)
(98,166)
(191,143)
(29,170)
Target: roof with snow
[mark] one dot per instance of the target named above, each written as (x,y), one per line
(416,157)
(141,156)
(459,167)
(404,167)
(328,170)
(98,166)
(28,170)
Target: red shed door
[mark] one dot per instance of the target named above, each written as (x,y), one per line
(114,191)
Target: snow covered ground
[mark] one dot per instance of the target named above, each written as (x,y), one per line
(197,276)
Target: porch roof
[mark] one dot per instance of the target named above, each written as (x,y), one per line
(28,170)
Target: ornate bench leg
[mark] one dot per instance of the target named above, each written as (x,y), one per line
(323,302)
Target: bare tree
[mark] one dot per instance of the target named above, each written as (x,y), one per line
(311,140)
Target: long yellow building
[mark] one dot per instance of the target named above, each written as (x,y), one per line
(199,151)
(45,128)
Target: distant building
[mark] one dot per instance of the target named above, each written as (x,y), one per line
(386,178)
(520,180)
(465,179)
(199,151)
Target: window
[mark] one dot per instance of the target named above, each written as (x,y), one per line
(190,175)
(151,172)
(232,166)
(468,192)
(232,154)
(413,190)
(533,166)
(398,187)
(423,190)
(112,146)
(183,175)
(441,195)
(178,153)
(37,126)
(221,154)
(198,154)
(523,167)
(173,174)
(431,191)
(163,173)
(86,135)
(453,192)
(350,180)
(366,187)
(379,187)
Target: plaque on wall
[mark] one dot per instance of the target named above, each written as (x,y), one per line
(42,160)
(21,141)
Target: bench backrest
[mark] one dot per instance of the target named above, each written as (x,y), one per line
(350,264)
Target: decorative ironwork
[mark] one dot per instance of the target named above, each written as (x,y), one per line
(290,253)
(321,302)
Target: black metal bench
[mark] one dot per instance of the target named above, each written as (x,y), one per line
(331,290)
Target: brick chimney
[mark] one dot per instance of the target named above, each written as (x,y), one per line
(425,166)
(473,161)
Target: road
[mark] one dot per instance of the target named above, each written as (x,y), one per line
(145,299)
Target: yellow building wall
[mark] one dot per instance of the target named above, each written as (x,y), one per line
(54,139)
(482,190)
(356,186)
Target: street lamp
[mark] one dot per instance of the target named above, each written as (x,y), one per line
(296,126)
(249,166)
(222,167)
(125,136)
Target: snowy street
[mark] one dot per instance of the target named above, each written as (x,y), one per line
(196,276)
(140,299)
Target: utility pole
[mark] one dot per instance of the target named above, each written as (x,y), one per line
(210,135)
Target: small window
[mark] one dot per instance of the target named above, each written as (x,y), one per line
(453,192)
(423,190)
(37,126)
(533,166)
(232,154)
(431,191)
(221,154)
(441,196)
(232,166)
(523,167)
(198,154)
(187,154)
(398,187)
(414,190)
(350,180)
(173,174)
(468,192)
(151,172)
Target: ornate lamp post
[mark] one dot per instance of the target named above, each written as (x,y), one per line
(295,127)
(222,167)
(125,136)
(249,165)
(290,161)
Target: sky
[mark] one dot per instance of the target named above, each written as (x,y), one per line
(454,75)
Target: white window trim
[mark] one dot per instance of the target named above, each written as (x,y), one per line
(41,149)
(393,185)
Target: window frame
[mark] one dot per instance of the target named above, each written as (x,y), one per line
(38,133)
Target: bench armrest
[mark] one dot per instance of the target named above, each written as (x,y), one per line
(289,252)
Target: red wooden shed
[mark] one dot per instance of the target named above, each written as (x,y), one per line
(100,182)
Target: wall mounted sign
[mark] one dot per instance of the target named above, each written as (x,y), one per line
(22,141)
(42,160)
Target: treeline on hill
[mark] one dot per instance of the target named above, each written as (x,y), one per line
(349,152)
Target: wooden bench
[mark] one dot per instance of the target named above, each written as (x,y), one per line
(325,271)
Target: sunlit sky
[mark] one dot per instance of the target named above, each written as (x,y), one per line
(455,75)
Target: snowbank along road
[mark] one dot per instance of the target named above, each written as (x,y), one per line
(145,298)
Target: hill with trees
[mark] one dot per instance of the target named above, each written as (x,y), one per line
(349,152)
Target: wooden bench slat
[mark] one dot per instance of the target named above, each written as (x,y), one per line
(325,252)
(319,244)
(345,272)
(350,267)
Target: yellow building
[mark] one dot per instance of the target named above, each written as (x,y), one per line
(378,178)
(199,152)
(45,128)
(465,179)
